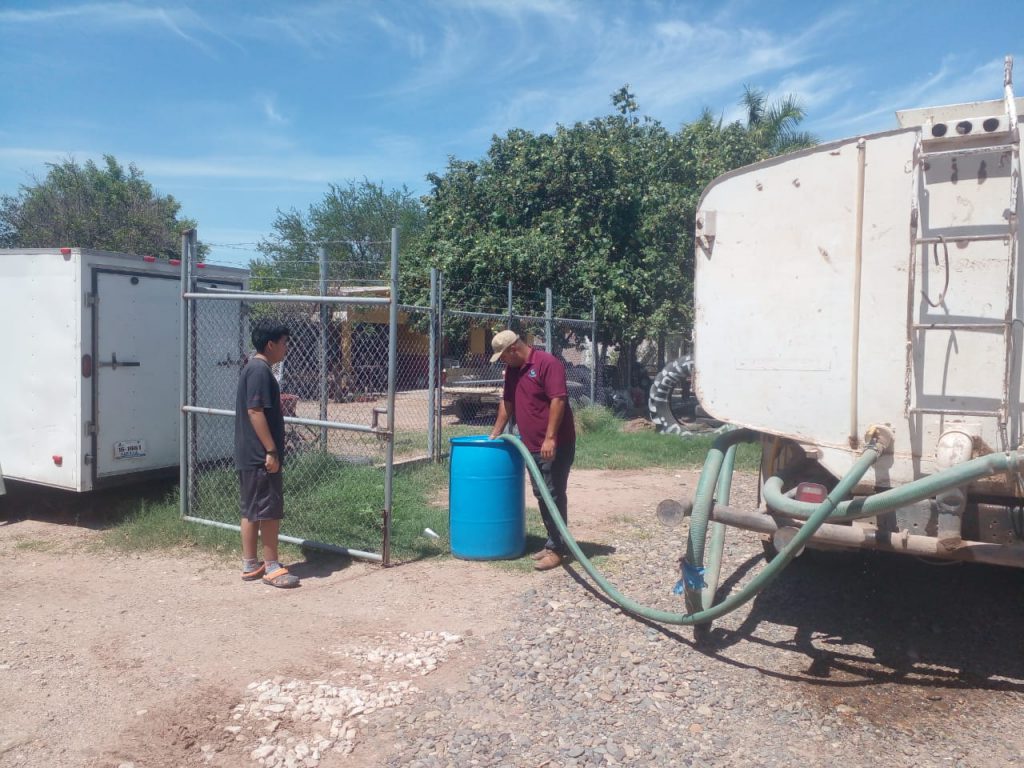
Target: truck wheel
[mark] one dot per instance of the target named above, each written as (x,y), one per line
(670,399)
(465,410)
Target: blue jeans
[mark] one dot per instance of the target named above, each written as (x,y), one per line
(556,478)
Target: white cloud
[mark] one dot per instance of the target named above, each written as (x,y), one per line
(175,20)
(951,83)
(271,112)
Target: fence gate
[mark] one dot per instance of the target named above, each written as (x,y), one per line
(338,391)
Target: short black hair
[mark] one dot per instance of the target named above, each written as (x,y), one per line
(266,331)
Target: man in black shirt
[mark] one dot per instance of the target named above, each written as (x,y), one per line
(259,456)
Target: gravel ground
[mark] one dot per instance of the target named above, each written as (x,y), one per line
(847,659)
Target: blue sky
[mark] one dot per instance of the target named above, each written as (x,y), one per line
(241,108)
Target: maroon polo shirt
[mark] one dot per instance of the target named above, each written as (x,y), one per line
(530,389)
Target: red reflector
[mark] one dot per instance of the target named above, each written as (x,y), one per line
(65,251)
(58,460)
(812,492)
(174,262)
(86,366)
(150,259)
(201,265)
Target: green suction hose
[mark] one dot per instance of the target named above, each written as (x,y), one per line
(700,596)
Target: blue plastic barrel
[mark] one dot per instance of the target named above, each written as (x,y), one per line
(486,499)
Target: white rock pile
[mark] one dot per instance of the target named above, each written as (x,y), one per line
(296,722)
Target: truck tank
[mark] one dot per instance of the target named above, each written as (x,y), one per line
(873,284)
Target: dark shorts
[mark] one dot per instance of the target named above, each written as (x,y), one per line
(262,495)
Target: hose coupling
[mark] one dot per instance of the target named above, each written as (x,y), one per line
(881,436)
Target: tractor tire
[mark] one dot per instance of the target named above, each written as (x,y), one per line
(670,396)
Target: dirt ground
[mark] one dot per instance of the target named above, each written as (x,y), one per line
(155,660)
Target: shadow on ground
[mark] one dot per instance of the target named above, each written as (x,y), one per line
(96,510)
(868,618)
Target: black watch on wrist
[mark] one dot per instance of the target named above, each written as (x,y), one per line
(272,452)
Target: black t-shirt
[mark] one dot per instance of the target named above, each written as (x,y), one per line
(257,388)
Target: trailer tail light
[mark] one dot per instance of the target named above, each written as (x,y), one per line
(201,265)
(86,366)
(174,262)
(58,460)
(815,493)
(149,259)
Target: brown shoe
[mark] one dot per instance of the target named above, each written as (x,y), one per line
(539,554)
(548,561)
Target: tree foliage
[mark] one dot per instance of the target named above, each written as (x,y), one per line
(84,205)
(603,208)
(774,126)
(352,223)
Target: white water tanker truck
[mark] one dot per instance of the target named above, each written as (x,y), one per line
(874,347)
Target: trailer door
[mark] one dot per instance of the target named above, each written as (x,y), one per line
(136,378)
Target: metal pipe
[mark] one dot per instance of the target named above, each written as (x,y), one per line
(353,553)
(389,449)
(287,420)
(432,368)
(593,350)
(440,355)
(509,303)
(548,326)
(525,318)
(858,254)
(953,238)
(183,382)
(325,317)
(923,488)
(282,298)
(885,541)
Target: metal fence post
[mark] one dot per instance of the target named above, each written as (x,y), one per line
(510,304)
(389,467)
(432,368)
(325,317)
(440,365)
(549,343)
(184,416)
(593,350)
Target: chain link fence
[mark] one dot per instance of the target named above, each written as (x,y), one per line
(338,391)
(367,384)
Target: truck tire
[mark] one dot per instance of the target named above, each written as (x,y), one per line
(670,396)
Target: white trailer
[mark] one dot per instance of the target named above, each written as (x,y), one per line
(92,370)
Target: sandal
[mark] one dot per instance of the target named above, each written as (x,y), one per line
(281,578)
(255,573)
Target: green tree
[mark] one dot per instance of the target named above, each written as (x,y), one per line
(603,208)
(775,126)
(84,205)
(352,223)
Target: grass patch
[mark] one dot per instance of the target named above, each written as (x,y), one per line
(148,525)
(36,545)
(333,501)
(325,500)
(601,444)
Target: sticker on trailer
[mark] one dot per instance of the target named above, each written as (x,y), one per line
(129,449)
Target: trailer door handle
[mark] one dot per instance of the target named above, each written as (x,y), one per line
(115,364)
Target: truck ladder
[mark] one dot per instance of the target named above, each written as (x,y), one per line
(996,142)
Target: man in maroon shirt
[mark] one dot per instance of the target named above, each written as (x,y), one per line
(537,400)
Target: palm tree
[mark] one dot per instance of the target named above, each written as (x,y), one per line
(774,126)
